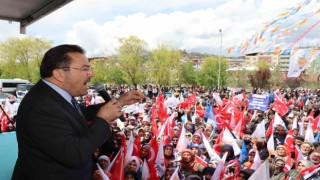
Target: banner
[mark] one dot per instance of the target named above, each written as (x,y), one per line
(257,101)
(300,59)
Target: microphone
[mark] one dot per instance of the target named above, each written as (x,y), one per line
(99,87)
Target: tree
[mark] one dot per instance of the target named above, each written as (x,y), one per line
(21,57)
(131,58)
(163,64)
(238,78)
(276,76)
(260,78)
(208,74)
(188,74)
(107,71)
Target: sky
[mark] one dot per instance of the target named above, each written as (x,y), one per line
(191,25)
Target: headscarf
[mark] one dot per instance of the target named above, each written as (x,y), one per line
(190,164)
(306,163)
(196,146)
(281,146)
(104,157)
(237,163)
(197,134)
(136,160)
(170,156)
(228,148)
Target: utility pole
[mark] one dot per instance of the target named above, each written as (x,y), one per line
(220,58)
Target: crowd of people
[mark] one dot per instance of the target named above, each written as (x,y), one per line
(197,133)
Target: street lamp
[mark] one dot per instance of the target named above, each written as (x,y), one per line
(220,59)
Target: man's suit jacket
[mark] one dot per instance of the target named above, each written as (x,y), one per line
(55,141)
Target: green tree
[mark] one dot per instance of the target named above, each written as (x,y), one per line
(21,57)
(132,52)
(107,71)
(188,74)
(276,75)
(163,64)
(208,74)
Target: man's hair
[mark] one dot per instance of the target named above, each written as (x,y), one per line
(57,57)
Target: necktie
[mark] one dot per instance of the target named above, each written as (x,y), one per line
(76,106)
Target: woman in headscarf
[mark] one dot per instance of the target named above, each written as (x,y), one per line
(188,164)
(233,171)
(134,163)
(227,148)
(103,162)
(167,174)
(168,153)
(196,138)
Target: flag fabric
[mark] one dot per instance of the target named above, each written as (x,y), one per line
(103,175)
(300,59)
(315,125)
(270,144)
(263,172)
(182,142)
(145,171)
(160,161)
(256,161)
(154,148)
(288,142)
(278,121)
(211,152)
(175,175)
(308,172)
(287,166)
(209,113)
(298,155)
(217,98)
(309,134)
(136,146)
(270,129)
(260,130)
(229,139)
(130,146)
(117,170)
(219,172)
(280,104)
(243,154)
(200,161)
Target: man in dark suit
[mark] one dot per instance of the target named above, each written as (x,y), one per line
(54,139)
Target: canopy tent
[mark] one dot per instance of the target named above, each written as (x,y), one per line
(28,11)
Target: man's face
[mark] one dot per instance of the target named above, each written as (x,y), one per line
(77,75)
(305,148)
(298,142)
(281,130)
(315,157)
(279,165)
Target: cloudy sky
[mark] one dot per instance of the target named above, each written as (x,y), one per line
(192,25)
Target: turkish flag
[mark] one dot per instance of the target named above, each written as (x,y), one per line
(117,170)
(153,150)
(201,161)
(288,142)
(136,146)
(280,104)
(270,129)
